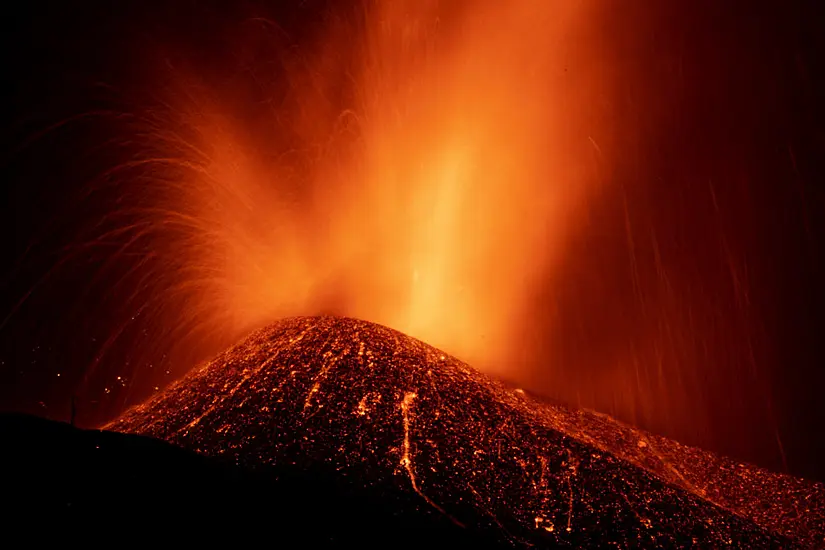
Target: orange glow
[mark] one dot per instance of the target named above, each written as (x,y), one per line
(468,171)
(422,170)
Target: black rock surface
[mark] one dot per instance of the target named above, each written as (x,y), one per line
(62,486)
(438,443)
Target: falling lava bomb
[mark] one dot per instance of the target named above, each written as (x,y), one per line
(380,411)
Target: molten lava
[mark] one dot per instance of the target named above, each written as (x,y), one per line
(449,169)
(378,409)
(417,166)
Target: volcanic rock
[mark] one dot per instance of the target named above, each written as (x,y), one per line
(389,415)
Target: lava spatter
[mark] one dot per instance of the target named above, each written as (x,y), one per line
(381,409)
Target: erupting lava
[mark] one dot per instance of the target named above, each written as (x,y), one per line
(378,409)
(452,170)
(443,172)
(418,166)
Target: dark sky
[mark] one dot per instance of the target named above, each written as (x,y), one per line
(730,143)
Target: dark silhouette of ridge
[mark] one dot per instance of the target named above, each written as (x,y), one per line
(102,482)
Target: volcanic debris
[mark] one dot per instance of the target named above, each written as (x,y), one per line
(387,413)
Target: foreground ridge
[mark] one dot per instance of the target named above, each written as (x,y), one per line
(387,412)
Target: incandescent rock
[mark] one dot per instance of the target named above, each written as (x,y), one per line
(388,414)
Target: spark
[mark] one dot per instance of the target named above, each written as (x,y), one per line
(595,145)
(362,406)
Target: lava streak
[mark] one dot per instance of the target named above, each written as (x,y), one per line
(415,164)
(406,454)
(439,438)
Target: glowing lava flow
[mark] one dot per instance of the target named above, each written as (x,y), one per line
(406,454)
(524,473)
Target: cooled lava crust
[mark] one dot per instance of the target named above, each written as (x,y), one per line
(385,412)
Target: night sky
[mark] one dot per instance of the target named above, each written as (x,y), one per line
(721,120)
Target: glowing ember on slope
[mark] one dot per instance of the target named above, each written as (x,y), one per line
(379,408)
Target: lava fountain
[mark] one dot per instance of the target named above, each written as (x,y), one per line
(485,177)
(415,164)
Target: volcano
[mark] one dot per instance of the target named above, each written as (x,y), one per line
(386,413)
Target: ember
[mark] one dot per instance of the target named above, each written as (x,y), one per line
(448,440)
